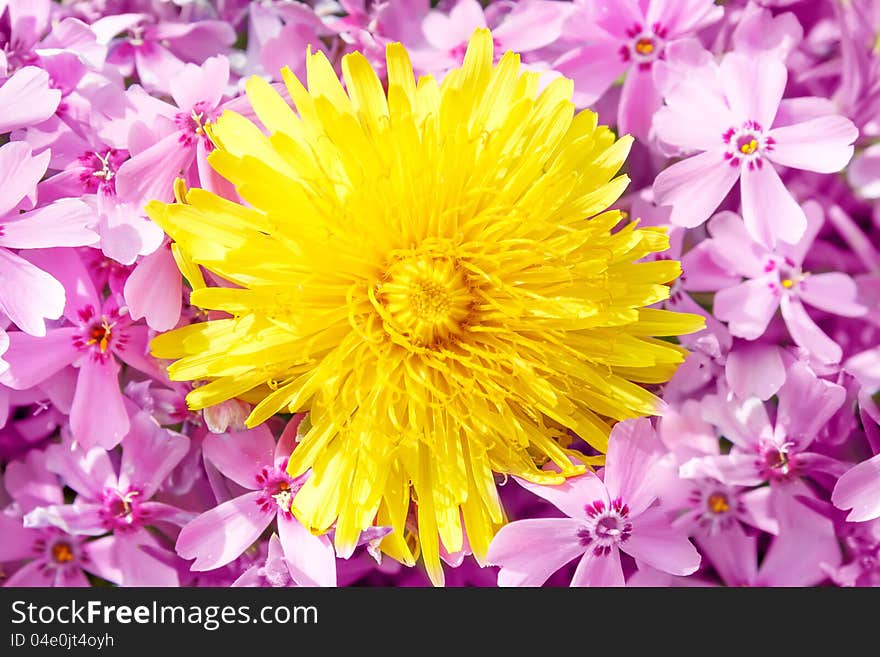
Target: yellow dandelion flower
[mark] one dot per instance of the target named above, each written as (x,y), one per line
(430,272)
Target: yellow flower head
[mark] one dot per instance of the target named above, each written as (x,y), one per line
(430,273)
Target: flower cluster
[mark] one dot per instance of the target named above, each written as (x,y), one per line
(333,293)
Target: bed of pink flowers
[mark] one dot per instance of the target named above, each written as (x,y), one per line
(757,129)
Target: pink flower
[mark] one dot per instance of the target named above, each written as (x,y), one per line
(253,461)
(625,36)
(731,115)
(805,549)
(96,333)
(177,141)
(605,518)
(29,295)
(54,557)
(775,279)
(778,452)
(157,50)
(119,503)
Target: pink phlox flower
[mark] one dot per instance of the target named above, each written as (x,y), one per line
(775,278)
(176,141)
(730,115)
(115,502)
(46,556)
(628,37)
(157,50)
(256,463)
(605,517)
(95,336)
(800,555)
(28,294)
(778,452)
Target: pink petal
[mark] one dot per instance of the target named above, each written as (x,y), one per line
(743,422)
(200,84)
(150,174)
(32,575)
(125,233)
(656,543)
(815,220)
(768,208)
(806,334)
(154,290)
(599,570)
(220,535)
(67,267)
(832,292)
(572,495)
(732,469)
(98,415)
(859,490)
(639,100)
(30,484)
(19,174)
(529,551)
(241,456)
(77,519)
(27,99)
(753,86)
(28,295)
(103,560)
(445,32)
(140,567)
(759,510)
(311,558)
(33,360)
(149,454)
(633,451)
(18,541)
(747,307)
(702,271)
(683,16)
(593,68)
(804,390)
(823,144)
(733,554)
(733,247)
(531,25)
(754,370)
(694,187)
(87,472)
(806,546)
(135,352)
(62,223)
(157,67)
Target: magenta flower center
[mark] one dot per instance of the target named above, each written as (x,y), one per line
(100,170)
(192,125)
(605,527)
(645,45)
(58,550)
(99,336)
(777,463)
(746,145)
(277,488)
(121,511)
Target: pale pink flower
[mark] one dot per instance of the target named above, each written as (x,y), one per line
(729,113)
(775,278)
(605,517)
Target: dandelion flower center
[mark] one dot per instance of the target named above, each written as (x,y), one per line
(427,299)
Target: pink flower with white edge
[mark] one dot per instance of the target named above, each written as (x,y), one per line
(605,517)
(775,278)
(628,37)
(729,114)
(253,461)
